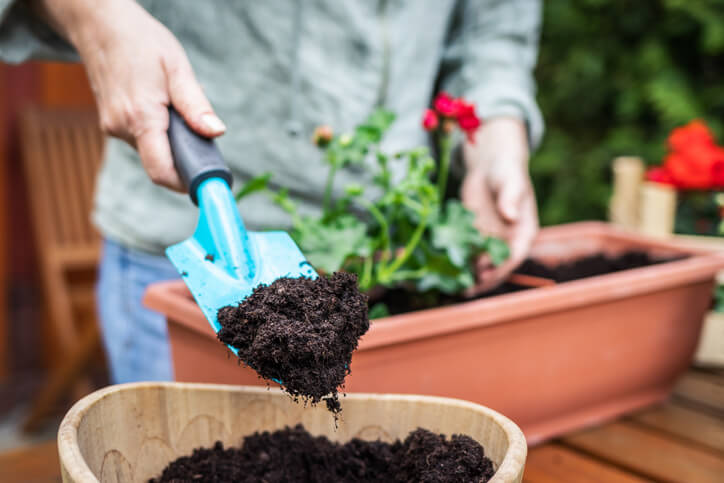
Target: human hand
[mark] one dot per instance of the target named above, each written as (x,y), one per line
(137,68)
(497,188)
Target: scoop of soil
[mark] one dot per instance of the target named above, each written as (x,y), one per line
(301,332)
(292,454)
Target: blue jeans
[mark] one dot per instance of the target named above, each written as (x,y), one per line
(135,338)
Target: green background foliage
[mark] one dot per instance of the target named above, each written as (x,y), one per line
(614,77)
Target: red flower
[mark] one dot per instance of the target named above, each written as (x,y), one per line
(468,121)
(696,133)
(430,120)
(452,110)
(693,168)
(446,105)
(717,168)
(658,174)
(694,161)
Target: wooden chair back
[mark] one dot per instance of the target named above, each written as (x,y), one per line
(61,153)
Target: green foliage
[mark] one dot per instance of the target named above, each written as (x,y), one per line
(614,77)
(254,185)
(404,236)
(719,299)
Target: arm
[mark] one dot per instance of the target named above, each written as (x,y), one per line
(490,59)
(136,68)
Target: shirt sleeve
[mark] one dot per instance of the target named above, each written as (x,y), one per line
(23,36)
(489,59)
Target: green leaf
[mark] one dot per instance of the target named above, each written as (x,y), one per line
(439,273)
(328,245)
(354,189)
(378,310)
(497,250)
(258,183)
(455,233)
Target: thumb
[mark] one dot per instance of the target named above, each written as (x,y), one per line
(509,199)
(190,101)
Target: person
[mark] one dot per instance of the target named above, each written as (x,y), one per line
(273,71)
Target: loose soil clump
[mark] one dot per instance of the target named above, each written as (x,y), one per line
(300,332)
(292,454)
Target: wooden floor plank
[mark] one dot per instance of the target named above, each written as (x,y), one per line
(553,463)
(685,423)
(649,453)
(36,464)
(702,388)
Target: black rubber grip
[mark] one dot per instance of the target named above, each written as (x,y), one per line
(195,157)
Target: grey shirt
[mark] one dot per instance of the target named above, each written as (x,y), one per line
(273,67)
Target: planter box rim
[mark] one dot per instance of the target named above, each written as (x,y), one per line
(173,299)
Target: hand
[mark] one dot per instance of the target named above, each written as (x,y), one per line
(136,68)
(497,188)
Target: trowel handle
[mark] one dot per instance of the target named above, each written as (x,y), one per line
(196,158)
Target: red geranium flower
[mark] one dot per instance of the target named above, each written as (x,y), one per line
(452,110)
(717,168)
(692,169)
(468,121)
(694,161)
(430,120)
(658,174)
(696,133)
(446,105)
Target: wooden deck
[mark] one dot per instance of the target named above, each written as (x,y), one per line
(679,441)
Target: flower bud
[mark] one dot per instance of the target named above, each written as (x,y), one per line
(322,135)
(345,140)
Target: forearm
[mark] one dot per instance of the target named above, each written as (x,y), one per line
(65,17)
(83,23)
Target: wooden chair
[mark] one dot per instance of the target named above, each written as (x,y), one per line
(61,153)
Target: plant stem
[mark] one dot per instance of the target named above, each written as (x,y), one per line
(401,275)
(409,248)
(445,150)
(384,227)
(366,282)
(327,203)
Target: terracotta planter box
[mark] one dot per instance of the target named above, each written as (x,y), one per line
(552,359)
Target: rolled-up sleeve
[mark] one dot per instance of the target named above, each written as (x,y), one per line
(23,36)
(490,57)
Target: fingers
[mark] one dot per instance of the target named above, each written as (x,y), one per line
(521,236)
(190,101)
(155,152)
(510,197)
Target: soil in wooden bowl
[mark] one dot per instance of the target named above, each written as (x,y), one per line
(399,301)
(292,454)
(301,332)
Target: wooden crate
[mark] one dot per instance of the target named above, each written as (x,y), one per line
(650,208)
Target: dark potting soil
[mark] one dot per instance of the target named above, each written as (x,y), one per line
(301,332)
(292,454)
(400,301)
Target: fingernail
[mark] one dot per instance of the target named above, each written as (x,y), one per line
(213,123)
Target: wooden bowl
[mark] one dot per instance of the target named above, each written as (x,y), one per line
(130,432)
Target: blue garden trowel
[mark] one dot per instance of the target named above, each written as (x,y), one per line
(222,263)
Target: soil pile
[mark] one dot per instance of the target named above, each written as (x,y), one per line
(301,332)
(292,454)
(590,266)
(399,301)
